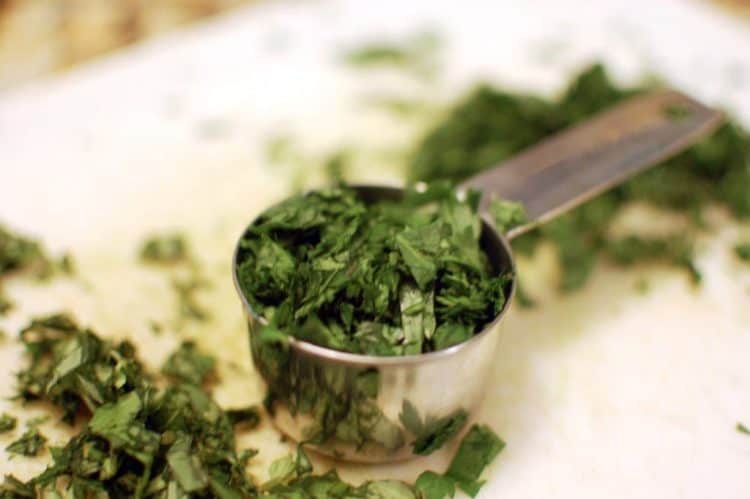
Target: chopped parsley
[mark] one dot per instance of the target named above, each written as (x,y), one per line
(139,440)
(29,444)
(491,125)
(742,251)
(142,440)
(22,254)
(7,423)
(384,278)
(165,249)
(743,429)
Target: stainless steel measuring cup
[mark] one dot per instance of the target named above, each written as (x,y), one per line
(372,409)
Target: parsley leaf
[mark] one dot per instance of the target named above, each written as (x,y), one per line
(478,448)
(7,423)
(742,250)
(29,444)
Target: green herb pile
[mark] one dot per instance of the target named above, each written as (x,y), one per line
(18,254)
(387,278)
(491,125)
(144,440)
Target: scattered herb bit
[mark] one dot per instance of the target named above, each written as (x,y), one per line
(432,485)
(144,441)
(743,429)
(188,365)
(186,290)
(633,249)
(165,249)
(37,421)
(478,448)
(7,423)
(29,444)
(5,304)
(291,476)
(432,433)
(172,250)
(389,278)
(156,327)
(642,286)
(742,251)
(21,254)
(491,125)
(67,265)
(417,53)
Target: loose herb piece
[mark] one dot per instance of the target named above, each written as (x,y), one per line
(431,434)
(478,448)
(388,278)
(20,254)
(743,429)
(172,251)
(490,125)
(742,251)
(188,365)
(149,442)
(417,53)
(167,248)
(291,476)
(188,306)
(7,423)
(29,444)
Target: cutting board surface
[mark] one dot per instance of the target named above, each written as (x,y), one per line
(604,393)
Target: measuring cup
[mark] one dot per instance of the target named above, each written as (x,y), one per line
(367,408)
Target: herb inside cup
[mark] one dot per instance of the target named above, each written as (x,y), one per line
(395,277)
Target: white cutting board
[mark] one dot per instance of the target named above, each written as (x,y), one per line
(605,393)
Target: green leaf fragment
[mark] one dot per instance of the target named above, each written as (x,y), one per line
(7,423)
(29,444)
(188,365)
(477,450)
(742,251)
(432,485)
(165,249)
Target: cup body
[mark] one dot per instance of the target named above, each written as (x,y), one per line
(365,408)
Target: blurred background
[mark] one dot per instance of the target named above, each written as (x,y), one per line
(43,36)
